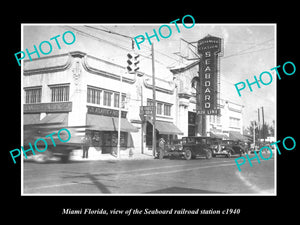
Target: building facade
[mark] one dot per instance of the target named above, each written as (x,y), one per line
(77,89)
(228,124)
(80,87)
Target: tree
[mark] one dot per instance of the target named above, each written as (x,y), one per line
(250,129)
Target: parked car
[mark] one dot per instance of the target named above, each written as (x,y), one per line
(228,148)
(194,146)
(175,146)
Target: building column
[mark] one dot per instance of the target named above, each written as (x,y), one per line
(183,124)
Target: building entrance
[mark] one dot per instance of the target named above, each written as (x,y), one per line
(191,124)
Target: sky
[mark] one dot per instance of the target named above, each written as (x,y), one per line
(248,50)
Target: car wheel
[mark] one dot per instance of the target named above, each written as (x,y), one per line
(65,158)
(208,154)
(188,154)
(229,154)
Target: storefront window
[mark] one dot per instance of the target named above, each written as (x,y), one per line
(107,138)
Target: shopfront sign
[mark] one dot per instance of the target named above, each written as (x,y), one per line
(208,48)
(147,110)
(48,107)
(105,112)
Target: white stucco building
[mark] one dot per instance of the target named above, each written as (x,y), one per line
(80,85)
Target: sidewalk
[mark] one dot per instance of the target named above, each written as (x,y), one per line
(76,155)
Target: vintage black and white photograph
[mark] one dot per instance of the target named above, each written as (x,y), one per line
(176,108)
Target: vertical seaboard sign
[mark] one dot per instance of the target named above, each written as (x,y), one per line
(209,48)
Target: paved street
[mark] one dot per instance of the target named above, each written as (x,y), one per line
(200,176)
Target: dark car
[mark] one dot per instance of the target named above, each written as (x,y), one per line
(196,146)
(229,148)
(171,148)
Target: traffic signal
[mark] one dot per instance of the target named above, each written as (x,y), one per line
(132,62)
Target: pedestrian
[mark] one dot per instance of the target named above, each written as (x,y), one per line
(85,147)
(161,145)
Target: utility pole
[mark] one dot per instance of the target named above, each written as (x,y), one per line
(143,120)
(153,103)
(258,125)
(263,122)
(119,121)
(254,123)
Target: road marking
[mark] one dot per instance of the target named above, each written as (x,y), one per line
(115,173)
(253,187)
(128,171)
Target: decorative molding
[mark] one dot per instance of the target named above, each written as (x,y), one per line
(76,72)
(46,64)
(164,90)
(96,69)
(184,95)
(185,68)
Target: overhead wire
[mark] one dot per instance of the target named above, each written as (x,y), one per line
(109,42)
(132,38)
(242,52)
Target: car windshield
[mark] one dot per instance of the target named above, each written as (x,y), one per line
(178,141)
(200,141)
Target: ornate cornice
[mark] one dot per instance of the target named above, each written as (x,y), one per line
(93,65)
(48,64)
(161,89)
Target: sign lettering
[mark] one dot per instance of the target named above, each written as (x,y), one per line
(105,112)
(208,48)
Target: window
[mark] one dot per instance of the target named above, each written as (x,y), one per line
(33,95)
(116,100)
(93,95)
(159,108)
(218,119)
(234,122)
(107,98)
(162,108)
(60,93)
(167,110)
(123,101)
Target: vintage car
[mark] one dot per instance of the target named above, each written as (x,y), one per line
(195,146)
(227,148)
(54,148)
(172,148)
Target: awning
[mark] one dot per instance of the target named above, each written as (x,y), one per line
(215,135)
(35,128)
(32,118)
(55,118)
(106,123)
(237,136)
(166,127)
